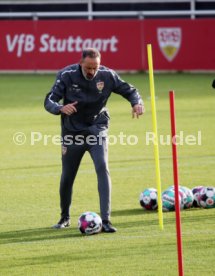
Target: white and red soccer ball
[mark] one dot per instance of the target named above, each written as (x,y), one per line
(148,199)
(196,194)
(207,197)
(89,223)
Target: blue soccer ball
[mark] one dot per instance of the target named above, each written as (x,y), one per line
(168,200)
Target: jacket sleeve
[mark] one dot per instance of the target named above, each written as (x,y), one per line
(52,99)
(126,90)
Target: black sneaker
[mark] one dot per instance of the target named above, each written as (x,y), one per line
(107,227)
(63,222)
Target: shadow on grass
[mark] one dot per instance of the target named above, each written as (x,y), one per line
(58,259)
(130,212)
(148,218)
(37,234)
(151,217)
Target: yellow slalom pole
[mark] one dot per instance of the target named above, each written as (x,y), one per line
(154,122)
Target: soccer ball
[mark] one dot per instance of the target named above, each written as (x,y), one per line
(188,197)
(168,200)
(196,193)
(182,195)
(148,199)
(90,223)
(207,197)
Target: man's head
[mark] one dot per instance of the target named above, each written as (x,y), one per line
(90,62)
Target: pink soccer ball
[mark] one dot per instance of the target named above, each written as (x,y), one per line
(89,223)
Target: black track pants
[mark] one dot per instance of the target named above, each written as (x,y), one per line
(70,163)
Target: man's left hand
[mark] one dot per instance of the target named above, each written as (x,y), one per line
(137,110)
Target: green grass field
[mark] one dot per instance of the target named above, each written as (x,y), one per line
(30,174)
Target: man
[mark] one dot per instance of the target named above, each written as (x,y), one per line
(85,89)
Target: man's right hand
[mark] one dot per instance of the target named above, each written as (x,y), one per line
(69,109)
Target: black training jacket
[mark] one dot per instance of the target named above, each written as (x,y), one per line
(91,95)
